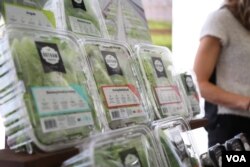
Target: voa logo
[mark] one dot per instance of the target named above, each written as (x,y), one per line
(236,158)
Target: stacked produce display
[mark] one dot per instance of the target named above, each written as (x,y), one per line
(45,95)
(65,83)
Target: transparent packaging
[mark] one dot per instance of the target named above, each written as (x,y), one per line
(234,144)
(165,90)
(82,17)
(244,141)
(51,96)
(131,146)
(175,143)
(215,154)
(126,21)
(26,12)
(191,88)
(119,83)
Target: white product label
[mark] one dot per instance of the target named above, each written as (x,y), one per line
(50,55)
(168,95)
(111,61)
(172,109)
(121,96)
(194,101)
(25,15)
(170,100)
(58,101)
(124,113)
(62,122)
(82,26)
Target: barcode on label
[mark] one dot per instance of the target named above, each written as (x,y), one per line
(116,114)
(50,124)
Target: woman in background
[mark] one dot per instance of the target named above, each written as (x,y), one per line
(222,68)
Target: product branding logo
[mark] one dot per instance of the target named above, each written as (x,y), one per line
(112,63)
(159,67)
(130,158)
(50,57)
(78,4)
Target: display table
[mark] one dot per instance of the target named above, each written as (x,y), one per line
(198,123)
(10,159)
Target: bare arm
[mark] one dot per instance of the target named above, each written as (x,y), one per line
(205,62)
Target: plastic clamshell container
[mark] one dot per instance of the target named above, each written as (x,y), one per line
(27,12)
(50,91)
(119,83)
(126,21)
(244,141)
(82,17)
(165,91)
(191,91)
(130,146)
(234,144)
(175,143)
(215,154)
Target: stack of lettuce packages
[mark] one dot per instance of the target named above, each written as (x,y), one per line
(82,17)
(175,143)
(119,83)
(133,146)
(164,88)
(48,98)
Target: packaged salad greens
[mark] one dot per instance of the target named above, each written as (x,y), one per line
(175,144)
(164,89)
(47,97)
(79,16)
(126,20)
(28,12)
(191,92)
(119,82)
(131,147)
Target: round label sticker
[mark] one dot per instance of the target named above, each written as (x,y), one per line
(111,61)
(78,1)
(132,160)
(159,66)
(50,55)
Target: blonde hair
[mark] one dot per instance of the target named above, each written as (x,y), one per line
(241,10)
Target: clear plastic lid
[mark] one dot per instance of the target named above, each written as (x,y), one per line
(244,141)
(81,17)
(62,111)
(175,143)
(27,12)
(119,83)
(131,146)
(191,88)
(164,89)
(126,21)
(234,144)
(215,154)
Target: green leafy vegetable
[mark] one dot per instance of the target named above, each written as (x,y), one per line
(31,70)
(103,78)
